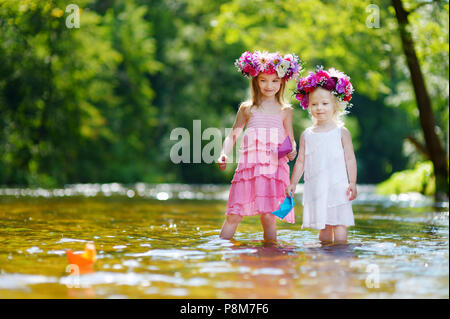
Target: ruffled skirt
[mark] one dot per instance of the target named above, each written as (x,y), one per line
(259,182)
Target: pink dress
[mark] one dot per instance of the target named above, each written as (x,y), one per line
(260,180)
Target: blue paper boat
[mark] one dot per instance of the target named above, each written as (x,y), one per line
(285,207)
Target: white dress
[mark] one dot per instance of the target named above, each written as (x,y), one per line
(325,201)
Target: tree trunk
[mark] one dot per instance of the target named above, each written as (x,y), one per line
(433,145)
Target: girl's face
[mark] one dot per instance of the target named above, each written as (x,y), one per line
(322,105)
(269,84)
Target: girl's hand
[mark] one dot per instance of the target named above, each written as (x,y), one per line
(351,191)
(292,154)
(290,189)
(222,161)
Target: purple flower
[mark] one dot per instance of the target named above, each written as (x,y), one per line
(332,80)
(340,85)
(305,101)
(312,80)
(330,84)
(251,64)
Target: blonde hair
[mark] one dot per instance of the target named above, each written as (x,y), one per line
(256,96)
(339,109)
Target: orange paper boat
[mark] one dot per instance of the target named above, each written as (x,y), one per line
(85,260)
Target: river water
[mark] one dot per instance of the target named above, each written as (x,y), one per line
(162,241)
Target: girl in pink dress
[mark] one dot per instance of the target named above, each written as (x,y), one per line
(261,177)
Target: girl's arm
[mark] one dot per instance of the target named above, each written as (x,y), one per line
(298,167)
(350,162)
(238,126)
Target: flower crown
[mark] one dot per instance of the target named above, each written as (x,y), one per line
(251,64)
(333,80)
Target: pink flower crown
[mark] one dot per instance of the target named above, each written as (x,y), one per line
(333,80)
(251,64)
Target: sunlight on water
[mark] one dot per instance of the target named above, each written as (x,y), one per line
(366,193)
(162,241)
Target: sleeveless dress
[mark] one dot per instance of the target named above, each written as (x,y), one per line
(259,182)
(325,200)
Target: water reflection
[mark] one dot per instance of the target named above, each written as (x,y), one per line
(278,270)
(168,246)
(263,270)
(268,257)
(331,250)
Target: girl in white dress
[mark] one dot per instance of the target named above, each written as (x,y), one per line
(326,156)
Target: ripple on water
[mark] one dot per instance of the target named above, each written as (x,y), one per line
(268,271)
(170,254)
(214,242)
(221,267)
(232,252)
(131,263)
(131,279)
(21,281)
(120,247)
(34,250)
(56,252)
(71,240)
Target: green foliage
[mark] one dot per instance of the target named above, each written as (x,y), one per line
(98,103)
(75,100)
(419,179)
(336,33)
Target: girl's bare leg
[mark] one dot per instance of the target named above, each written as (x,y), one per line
(326,235)
(340,234)
(230,225)
(269,225)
